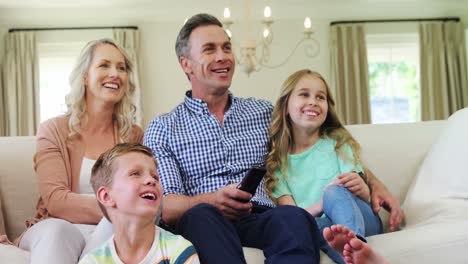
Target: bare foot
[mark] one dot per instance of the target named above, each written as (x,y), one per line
(358,252)
(338,236)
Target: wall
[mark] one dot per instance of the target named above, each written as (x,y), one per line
(164,83)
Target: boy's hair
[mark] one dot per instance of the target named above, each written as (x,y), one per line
(281,138)
(104,169)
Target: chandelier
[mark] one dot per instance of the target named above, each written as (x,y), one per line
(249,60)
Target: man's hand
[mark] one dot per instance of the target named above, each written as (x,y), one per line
(232,202)
(381,197)
(355,184)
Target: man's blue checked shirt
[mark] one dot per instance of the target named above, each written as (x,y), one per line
(196,154)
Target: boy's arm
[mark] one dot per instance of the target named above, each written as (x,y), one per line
(382,197)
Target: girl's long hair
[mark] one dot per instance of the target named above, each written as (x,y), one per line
(281,139)
(124,111)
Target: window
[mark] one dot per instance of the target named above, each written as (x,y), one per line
(393,61)
(55,64)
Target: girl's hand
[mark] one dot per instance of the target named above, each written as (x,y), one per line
(355,184)
(334,182)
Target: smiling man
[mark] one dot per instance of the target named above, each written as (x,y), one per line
(206,145)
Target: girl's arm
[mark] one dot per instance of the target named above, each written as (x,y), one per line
(316,209)
(355,184)
(286,200)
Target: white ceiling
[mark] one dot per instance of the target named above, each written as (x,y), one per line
(24,12)
(185,3)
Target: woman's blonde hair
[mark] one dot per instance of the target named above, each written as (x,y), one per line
(125,110)
(281,138)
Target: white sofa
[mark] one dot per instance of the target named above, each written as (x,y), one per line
(435,199)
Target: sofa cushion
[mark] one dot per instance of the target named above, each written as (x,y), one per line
(18,184)
(440,189)
(12,254)
(394,152)
(429,243)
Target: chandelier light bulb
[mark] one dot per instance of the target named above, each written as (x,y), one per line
(267,12)
(307,23)
(228,32)
(227,12)
(249,59)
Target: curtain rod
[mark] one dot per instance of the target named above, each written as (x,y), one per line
(444,19)
(70,28)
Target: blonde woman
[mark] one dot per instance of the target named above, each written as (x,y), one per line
(101,113)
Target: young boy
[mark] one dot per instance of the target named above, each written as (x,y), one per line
(126,183)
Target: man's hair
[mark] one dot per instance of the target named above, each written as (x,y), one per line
(182,42)
(104,169)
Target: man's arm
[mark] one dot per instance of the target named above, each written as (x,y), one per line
(382,197)
(229,200)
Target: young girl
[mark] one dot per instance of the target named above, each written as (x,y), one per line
(314,161)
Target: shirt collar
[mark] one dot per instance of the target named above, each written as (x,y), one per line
(198,106)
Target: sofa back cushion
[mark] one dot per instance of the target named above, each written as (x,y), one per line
(393,152)
(440,190)
(18,184)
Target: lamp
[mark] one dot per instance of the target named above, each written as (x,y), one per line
(248,47)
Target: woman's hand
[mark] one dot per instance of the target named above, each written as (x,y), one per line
(355,184)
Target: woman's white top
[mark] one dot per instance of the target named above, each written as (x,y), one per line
(85,175)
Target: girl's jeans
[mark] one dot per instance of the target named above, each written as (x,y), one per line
(342,207)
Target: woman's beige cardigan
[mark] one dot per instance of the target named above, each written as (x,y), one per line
(57,163)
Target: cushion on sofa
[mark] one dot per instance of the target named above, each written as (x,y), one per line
(440,189)
(18,184)
(394,152)
(11,254)
(435,242)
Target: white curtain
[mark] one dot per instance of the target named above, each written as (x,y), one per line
(2,110)
(444,81)
(129,40)
(350,73)
(20,85)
